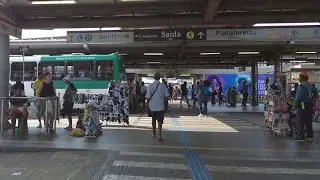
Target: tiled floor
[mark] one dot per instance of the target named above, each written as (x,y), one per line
(226,145)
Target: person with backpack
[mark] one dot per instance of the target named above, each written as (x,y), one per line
(203,96)
(69,99)
(304,104)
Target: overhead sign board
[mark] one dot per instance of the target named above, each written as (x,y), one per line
(100,37)
(77,58)
(267,34)
(170,35)
(23,48)
(195,34)
(11,30)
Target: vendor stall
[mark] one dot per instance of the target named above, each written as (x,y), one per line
(113,106)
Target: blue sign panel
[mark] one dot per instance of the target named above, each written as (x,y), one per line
(237,81)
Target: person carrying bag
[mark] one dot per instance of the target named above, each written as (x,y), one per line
(149,111)
(157,100)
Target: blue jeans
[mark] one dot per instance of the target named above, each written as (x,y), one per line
(203,107)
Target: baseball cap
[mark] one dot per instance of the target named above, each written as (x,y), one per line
(304,73)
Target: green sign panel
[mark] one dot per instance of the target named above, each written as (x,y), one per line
(80,58)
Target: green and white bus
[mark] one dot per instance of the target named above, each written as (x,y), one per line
(90,73)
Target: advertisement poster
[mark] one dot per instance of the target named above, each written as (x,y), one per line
(237,81)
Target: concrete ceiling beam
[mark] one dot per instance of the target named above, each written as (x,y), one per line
(170,20)
(211,10)
(129,21)
(109,9)
(268,5)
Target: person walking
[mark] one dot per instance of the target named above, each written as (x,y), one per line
(245,94)
(184,94)
(176,93)
(304,103)
(213,95)
(144,90)
(196,89)
(157,101)
(170,89)
(220,93)
(203,96)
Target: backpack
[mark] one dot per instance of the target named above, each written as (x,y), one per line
(201,96)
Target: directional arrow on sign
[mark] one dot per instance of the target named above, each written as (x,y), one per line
(71,38)
(294,32)
(201,34)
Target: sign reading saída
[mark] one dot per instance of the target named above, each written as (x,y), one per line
(169,34)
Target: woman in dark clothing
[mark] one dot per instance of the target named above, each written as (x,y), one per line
(68,100)
(48,106)
(220,94)
(18,107)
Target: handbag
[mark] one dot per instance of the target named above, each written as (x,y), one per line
(149,110)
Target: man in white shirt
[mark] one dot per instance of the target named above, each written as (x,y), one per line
(157,100)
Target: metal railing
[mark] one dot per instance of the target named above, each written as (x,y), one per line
(5,102)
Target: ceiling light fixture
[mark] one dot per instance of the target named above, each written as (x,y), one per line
(248,53)
(210,53)
(111,29)
(153,62)
(53,2)
(286,24)
(306,52)
(138,0)
(153,54)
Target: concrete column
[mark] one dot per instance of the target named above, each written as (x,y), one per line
(4,74)
(254,77)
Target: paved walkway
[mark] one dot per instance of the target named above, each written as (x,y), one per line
(224,146)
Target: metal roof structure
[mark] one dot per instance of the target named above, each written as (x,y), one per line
(175,54)
(160,13)
(148,14)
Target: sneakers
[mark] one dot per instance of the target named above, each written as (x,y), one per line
(154,136)
(309,139)
(40,126)
(68,128)
(201,115)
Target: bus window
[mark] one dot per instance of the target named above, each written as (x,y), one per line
(56,68)
(81,70)
(104,70)
(30,71)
